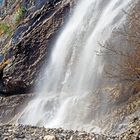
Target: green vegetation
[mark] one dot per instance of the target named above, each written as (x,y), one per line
(5,28)
(19,14)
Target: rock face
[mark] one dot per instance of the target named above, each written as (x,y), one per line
(32,42)
(10,107)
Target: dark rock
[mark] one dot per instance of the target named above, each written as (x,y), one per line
(32,43)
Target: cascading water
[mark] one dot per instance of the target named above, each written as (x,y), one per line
(74,70)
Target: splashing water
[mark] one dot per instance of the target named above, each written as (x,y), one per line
(74,70)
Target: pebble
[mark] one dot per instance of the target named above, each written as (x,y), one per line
(26,132)
(49,137)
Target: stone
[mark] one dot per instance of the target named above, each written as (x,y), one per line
(73,137)
(49,137)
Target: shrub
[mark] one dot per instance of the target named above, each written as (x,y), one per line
(123,64)
(19,14)
(5,28)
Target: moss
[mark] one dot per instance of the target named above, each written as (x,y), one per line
(19,14)
(5,28)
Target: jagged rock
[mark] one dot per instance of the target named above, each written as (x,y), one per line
(32,42)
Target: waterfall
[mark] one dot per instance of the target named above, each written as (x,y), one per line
(74,70)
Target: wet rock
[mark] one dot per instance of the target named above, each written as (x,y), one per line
(10,107)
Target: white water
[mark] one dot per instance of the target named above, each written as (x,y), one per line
(74,70)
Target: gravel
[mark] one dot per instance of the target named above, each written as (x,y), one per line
(26,132)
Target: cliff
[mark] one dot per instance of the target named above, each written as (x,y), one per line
(32,26)
(28,29)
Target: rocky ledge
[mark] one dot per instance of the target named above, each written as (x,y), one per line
(19,132)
